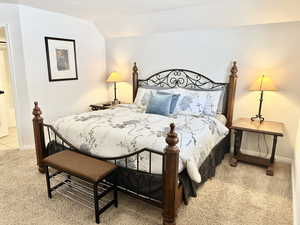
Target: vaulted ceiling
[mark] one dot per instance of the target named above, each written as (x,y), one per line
(94,9)
(115,18)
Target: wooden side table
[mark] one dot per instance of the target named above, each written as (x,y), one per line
(267,127)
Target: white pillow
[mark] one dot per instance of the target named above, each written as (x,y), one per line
(222,100)
(190,102)
(212,102)
(193,102)
(143,96)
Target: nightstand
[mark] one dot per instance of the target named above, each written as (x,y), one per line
(100,106)
(274,129)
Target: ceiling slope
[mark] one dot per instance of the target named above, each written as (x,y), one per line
(116,18)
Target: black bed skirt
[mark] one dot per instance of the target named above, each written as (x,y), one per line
(151,185)
(207,169)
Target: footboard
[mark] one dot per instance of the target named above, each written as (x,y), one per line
(171,191)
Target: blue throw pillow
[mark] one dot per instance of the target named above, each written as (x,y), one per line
(159,104)
(174,101)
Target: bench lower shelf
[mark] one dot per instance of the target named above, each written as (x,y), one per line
(83,192)
(80,191)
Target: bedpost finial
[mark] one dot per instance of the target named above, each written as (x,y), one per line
(135,68)
(36,110)
(172,138)
(234,69)
(172,126)
(135,77)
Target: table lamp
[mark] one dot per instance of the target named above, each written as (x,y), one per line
(115,77)
(262,84)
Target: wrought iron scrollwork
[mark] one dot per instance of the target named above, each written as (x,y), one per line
(181,78)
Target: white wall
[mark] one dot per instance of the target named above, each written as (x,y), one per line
(9,16)
(57,99)
(271,49)
(296,174)
(27,28)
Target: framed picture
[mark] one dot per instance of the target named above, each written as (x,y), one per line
(61,59)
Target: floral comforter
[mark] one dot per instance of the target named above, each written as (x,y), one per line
(126,129)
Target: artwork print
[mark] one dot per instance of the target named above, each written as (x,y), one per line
(61,59)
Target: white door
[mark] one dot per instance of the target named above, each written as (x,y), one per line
(3,98)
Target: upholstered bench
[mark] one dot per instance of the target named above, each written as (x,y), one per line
(88,170)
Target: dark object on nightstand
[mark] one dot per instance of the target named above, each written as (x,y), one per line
(1,92)
(95,107)
(266,127)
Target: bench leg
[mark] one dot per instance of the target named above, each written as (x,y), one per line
(96,202)
(48,182)
(116,189)
(116,196)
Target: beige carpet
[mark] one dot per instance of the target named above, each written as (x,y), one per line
(236,196)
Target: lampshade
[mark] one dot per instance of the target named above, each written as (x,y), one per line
(263,83)
(114,77)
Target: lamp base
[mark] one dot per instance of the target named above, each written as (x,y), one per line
(258,117)
(115,102)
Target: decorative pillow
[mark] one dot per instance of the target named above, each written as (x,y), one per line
(197,102)
(144,94)
(159,104)
(174,101)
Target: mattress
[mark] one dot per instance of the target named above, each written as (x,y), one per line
(126,129)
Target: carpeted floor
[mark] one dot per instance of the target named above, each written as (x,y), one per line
(236,196)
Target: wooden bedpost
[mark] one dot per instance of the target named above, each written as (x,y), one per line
(135,77)
(170,177)
(38,131)
(231,94)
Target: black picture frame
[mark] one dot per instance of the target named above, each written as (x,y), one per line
(50,64)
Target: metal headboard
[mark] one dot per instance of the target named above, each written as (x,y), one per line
(181,78)
(188,79)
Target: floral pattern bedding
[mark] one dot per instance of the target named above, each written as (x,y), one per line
(126,129)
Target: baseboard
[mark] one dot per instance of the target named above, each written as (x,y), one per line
(277,157)
(27,147)
(295,217)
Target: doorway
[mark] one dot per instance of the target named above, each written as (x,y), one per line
(8,130)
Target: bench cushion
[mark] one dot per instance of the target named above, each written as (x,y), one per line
(80,165)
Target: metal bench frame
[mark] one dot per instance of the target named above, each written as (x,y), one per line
(96,193)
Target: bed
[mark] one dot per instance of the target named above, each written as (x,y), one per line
(134,140)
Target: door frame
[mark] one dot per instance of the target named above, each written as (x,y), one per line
(12,66)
